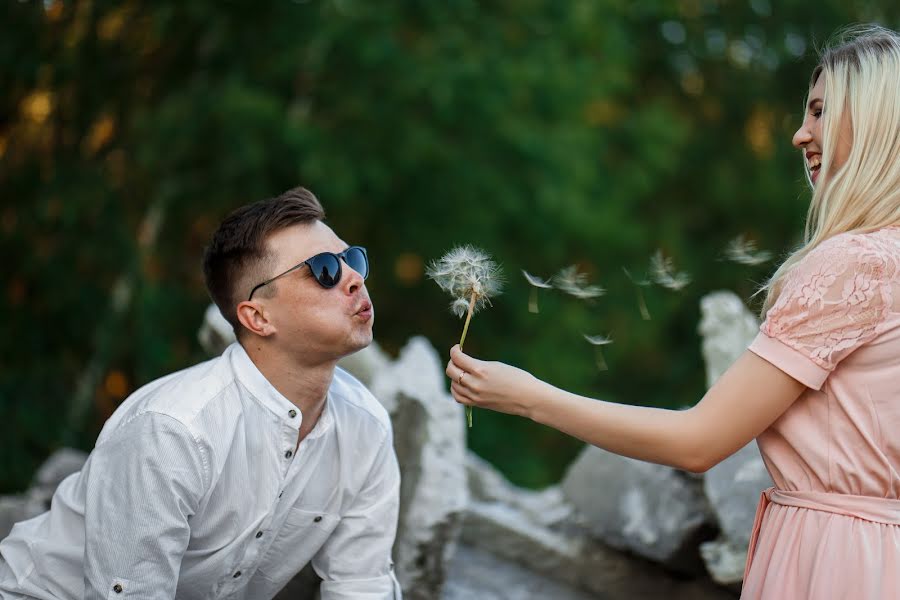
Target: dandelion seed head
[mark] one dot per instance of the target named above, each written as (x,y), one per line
(464,272)
(664,274)
(661,265)
(678,282)
(575,283)
(743,251)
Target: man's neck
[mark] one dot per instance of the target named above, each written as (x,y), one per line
(304,385)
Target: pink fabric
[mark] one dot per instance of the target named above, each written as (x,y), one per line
(831,526)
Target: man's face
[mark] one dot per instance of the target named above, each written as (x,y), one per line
(316,323)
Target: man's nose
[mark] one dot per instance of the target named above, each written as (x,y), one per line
(354,279)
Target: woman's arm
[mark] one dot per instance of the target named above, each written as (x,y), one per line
(745,400)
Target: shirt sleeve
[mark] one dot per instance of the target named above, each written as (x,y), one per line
(355,563)
(143,485)
(831,303)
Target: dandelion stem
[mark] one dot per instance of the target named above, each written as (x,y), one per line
(533,301)
(468,318)
(462,340)
(645,314)
(601,362)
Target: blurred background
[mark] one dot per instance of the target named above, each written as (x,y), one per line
(587,133)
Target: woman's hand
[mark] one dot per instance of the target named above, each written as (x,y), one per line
(492,385)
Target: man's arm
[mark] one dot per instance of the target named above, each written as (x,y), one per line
(143,485)
(355,563)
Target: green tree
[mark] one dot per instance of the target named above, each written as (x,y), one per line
(548,133)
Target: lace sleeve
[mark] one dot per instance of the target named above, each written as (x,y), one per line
(833,302)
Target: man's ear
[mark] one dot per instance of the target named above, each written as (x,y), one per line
(254,318)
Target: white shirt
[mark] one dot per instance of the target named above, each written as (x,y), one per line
(194,490)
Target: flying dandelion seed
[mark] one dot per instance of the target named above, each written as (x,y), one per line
(574,283)
(471,278)
(664,273)
(744,251)
(598,341)
(638,284)
(536,283)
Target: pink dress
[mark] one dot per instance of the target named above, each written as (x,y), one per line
(830,528)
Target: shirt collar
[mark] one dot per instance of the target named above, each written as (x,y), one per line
(325,419)
(259,387)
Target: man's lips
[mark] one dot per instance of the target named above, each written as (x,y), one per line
(365,310)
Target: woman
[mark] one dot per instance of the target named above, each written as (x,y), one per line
(819,387)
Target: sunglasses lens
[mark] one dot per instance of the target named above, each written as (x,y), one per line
(358,261)
(326,269)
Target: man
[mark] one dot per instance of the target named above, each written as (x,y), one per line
(225,479)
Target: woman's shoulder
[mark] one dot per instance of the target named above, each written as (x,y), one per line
(839,296)
(876,252)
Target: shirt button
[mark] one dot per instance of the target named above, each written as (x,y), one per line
(288,454)
(117,588)
(258,534)
(292,413)
(236,575)
(317,519)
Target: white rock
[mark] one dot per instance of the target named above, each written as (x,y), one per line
(215,332)
(725,560)
(546,507)
(652,510)
(429,437)
(733,486)
(727,328)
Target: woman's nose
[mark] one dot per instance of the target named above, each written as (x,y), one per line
(801,137)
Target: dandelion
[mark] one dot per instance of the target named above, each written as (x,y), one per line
(536,284)
(574,283)
(597,341)
(638,284)
(744,251)
(472,278)
(665,275)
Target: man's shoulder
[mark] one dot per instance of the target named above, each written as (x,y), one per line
(352,401)
(182,395)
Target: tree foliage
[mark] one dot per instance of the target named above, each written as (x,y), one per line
(585,132)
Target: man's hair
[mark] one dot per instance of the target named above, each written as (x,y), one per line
(238,257)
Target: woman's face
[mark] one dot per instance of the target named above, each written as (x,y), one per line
(809,137)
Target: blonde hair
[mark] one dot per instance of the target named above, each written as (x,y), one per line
(862,81)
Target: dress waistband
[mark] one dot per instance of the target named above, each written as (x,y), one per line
(869,508)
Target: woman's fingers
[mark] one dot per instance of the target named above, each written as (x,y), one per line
(464,361)
(455,373)
(460,376)
(461,395)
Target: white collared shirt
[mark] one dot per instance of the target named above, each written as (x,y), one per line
(195,490)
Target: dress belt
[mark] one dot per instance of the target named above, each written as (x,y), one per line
(868,508)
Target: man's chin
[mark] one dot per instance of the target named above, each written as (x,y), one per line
(359,343)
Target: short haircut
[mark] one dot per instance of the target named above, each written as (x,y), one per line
(238,254)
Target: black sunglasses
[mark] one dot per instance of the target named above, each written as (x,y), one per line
(326,267)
